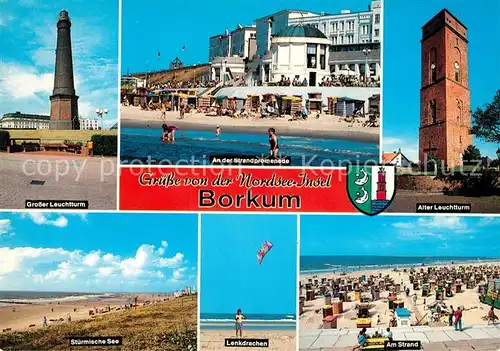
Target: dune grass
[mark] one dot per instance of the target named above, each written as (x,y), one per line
(168,326)
(59,135)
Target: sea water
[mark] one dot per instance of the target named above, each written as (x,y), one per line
(339,264)
(194,147)
(225,321)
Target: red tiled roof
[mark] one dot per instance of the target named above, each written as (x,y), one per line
(387,157)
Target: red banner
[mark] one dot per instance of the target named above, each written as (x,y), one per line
(234,189)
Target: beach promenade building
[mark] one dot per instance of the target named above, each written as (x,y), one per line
(20,120)
(229,52)
(350,43)
(297,53)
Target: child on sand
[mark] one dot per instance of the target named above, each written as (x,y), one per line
(239,322)
(168,132)
(44,321)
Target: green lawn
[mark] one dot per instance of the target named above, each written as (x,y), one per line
(59,135)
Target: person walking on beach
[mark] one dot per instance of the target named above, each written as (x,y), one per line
(491,316)
(163,111)
(361,340)
(239,322)
(181,110)
(218,131)
(90,147)
(273,143)
(44,321)
(68,318)
(450,317)
(458,319)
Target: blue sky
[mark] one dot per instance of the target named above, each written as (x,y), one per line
(402,78)
(28,31)
(231,277)
(167,26)
(98,252)
(399,236)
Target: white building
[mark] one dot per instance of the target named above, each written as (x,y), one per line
(89,124)
(240,42)
(273,24)
(20,120)
(346,27)
(397,159)
(297,52)
(227,68)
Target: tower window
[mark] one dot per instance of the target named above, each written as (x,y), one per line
(457,72)
(433,65)
(432,111)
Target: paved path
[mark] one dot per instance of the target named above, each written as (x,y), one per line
(66,178)
(475,337)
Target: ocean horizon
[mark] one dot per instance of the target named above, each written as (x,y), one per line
(254,321)
(144,143)
(340,264)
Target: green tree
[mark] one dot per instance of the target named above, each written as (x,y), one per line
(472,153)
(486,122)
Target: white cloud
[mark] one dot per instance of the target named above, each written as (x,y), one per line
(41,268)
(17,259)
(437,227)
(41,218)
(105,271)
(453,223)
(408,148)
(171,262)
(92,259)
(488,221)
(56,219)
(163,247)
(5,226)
(179,273)
(24,82)
(5,19)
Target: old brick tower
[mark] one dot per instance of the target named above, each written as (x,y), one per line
(64,102)
(445,118)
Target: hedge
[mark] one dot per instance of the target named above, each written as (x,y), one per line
(106,145)
(4,139)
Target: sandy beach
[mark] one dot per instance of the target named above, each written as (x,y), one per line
(327,126)
(162,325)
(19,317)
(279,340)
(474,310)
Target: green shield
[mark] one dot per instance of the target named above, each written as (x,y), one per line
(359,187)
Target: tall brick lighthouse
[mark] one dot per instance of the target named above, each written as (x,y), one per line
(64,102)
(445,118)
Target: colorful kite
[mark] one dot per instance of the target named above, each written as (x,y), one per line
(264,249)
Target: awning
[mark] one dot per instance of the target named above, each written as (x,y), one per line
(291,98)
